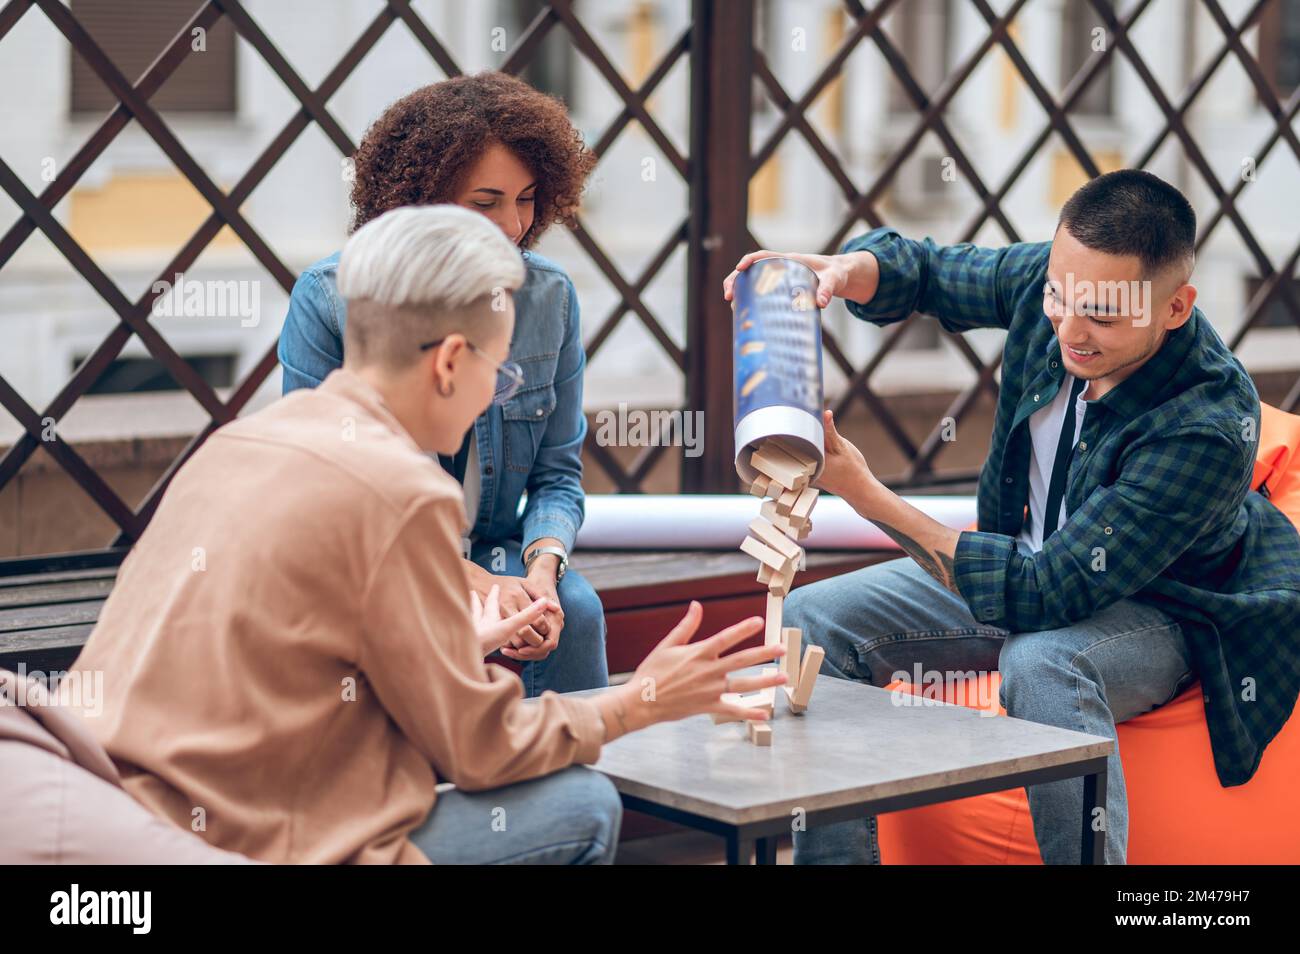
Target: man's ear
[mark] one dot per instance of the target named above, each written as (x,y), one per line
(442,360)
(1180,306)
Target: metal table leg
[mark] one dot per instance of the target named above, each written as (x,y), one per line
(1093,845)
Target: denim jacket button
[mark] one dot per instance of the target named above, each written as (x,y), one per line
(488,470)
(540,412)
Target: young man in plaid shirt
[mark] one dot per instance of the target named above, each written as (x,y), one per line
(1120,554)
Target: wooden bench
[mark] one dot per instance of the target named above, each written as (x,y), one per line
(45,618)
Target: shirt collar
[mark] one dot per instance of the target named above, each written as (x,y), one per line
(1136,393)
(351,386)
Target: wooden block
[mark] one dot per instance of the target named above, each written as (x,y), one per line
(780,466)
(786,501)
(731,698)
(775,605)
(760,733)
(774,538)
(759,487)
(763,553)
(802,507)
(789,698)
(782,580)
(812,664)
(791,636)
(809,464)
(764,574)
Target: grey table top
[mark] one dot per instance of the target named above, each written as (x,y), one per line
(854,745)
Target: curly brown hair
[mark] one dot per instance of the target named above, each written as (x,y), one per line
(419,151)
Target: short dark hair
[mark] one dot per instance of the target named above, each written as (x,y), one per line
(1131,212)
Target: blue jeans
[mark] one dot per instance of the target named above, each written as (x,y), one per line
(884,619)
(569,818)
(578,662)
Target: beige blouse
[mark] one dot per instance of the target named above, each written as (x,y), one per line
(289,661)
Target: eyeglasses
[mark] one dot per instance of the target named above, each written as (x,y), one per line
(510,377)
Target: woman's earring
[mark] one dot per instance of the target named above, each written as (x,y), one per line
(451,389)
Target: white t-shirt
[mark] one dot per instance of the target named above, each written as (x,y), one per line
(473,486)
(1045,435)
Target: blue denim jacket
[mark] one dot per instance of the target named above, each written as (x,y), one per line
(530,449)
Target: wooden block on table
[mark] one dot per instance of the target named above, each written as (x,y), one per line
(791,636)
(760,733)
(775,606)
(731,698)
(767,533)
(812,664)
(763,553)
(789,698)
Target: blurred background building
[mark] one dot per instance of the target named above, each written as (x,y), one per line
(133,209)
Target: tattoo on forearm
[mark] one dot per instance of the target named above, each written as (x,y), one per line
(938,565)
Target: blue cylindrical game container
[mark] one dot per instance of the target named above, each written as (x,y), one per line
(777,360)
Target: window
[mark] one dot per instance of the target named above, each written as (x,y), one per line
(1279,45)
(1078,23)
(551,69)
(922,30)
(133,33)
(137,375)
(1277,313)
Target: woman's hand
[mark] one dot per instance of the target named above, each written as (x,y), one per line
(845,473)
(514,598)
(854,275)
(492,629)
(681,678)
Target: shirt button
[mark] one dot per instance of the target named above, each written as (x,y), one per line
(1007,480)
(1109,531)
(1035,397)
(1083,445)
(488,470)
(1206,697)
(1053,364)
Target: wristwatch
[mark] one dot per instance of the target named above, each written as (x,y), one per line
(559,570)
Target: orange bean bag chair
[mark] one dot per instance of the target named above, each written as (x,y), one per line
(1178,811)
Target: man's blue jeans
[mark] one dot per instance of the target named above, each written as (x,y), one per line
(578,662)
(888,618)
(571,817)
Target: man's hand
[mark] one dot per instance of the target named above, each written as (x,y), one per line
(845,473)
(854,275)
(492,629)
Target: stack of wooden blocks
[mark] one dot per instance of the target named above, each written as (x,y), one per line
(784,476)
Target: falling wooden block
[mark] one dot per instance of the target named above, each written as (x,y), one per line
(803,505)
(785,502)
(791,636)
(782,579)
(775,606)
(760,733)
(774,538)
(812,665)
(763,553)
(764,574)
(759,487)
(789,698)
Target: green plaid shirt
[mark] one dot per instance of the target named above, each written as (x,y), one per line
(1158,494)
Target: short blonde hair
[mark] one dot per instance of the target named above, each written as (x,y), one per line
(420,273)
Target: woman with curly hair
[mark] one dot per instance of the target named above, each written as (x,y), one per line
(493,144)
